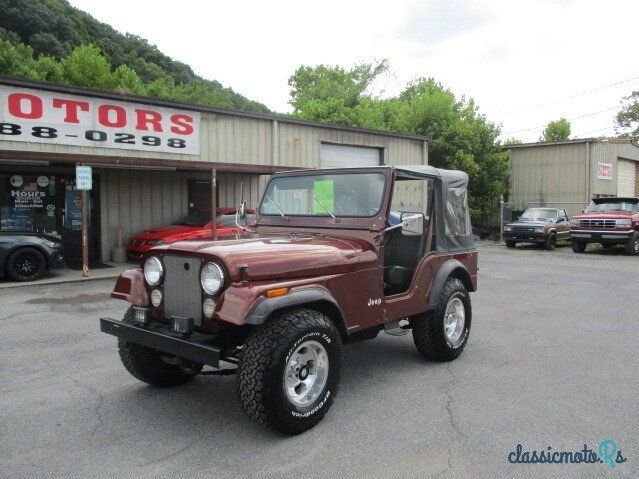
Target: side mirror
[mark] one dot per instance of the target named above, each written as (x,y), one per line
(584,210)
(241,211)
(412,224)
(560,220)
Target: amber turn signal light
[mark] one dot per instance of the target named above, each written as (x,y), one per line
(273,293)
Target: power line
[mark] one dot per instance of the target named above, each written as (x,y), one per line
(593,131)
(569,119)
(568,97)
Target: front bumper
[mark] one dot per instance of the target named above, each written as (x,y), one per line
(56,259)
(197,347)
(525,236)
(596,236)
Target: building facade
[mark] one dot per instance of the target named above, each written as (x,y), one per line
(570,173)
(153,161)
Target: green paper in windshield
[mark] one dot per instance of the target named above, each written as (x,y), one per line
(323,191)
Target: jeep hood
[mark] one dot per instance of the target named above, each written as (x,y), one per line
(282,256)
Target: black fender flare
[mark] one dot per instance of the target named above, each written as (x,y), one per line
(454,268)
(296,297)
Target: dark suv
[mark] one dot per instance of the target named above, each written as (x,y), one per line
(538,225)
(322,266)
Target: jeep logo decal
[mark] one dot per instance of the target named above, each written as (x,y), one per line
(374,302)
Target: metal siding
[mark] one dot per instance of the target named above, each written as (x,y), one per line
(554,173)
(626,178)
(611,152)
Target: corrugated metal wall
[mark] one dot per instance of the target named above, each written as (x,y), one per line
(554,173)
(145,199)
(610,152)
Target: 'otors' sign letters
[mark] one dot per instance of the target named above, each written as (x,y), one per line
(50,117)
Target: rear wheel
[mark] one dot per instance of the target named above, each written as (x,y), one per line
(147,365)
(442,334)
(511,244)
(632,246)
(290,371)
(551,242)
(578,246)
(26,264)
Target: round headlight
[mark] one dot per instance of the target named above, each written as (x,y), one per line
(208,307)
(212,278)
(153,270)
(156,297)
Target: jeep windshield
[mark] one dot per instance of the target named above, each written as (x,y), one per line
(539,214)
(610,205)
(333,195)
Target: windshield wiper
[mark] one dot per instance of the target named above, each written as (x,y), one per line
(325,208)
(279,210)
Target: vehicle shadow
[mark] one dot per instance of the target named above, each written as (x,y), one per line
(212,400)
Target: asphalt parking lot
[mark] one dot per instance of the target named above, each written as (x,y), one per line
(551,361)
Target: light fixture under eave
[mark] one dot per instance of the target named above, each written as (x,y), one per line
(131,167)
(5,161)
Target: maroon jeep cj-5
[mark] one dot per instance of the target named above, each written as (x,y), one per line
(335,256)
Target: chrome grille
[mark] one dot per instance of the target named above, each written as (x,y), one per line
(182,290)
(606,224)
(523,229)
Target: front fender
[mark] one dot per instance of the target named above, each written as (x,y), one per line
(130,287)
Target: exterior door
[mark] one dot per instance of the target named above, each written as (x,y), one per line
(563,225)
(343,156)
(199,193)
(70,219)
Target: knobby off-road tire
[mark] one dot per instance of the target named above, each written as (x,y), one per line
(578,246)
(429,328)
(272,363)
(26,264)
(551,242)
(146,364)
(632,246)
(511,244)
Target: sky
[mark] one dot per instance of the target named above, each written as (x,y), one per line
(524,62)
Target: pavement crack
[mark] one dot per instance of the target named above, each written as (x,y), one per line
(449,405)
(170,455)
(98,407)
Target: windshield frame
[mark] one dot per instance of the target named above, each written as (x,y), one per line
(610,201)
(335,215)
(373,223)
(555,218)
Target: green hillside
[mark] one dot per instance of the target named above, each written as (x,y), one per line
(47,37)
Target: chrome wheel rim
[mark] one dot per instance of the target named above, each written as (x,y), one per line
(454,321)
(306,373)
(637,245)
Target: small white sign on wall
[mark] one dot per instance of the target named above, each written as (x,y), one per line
(604,171)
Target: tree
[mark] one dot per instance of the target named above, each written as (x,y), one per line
(628,118)
(558,130)
(324,83)
(87,67)
(461,138)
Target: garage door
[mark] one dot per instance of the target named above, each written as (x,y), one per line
(626,178)
(335,156)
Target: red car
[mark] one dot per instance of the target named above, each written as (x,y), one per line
(192,226)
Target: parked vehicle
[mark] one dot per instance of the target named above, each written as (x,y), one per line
(26,256)
(609,221)
(192,226)
(322,267)
(538,225)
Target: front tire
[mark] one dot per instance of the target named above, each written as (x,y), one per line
(441,335)
(511,244)
(632,246)
(578,246)
(290,370)
(26,264)
(147,365)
